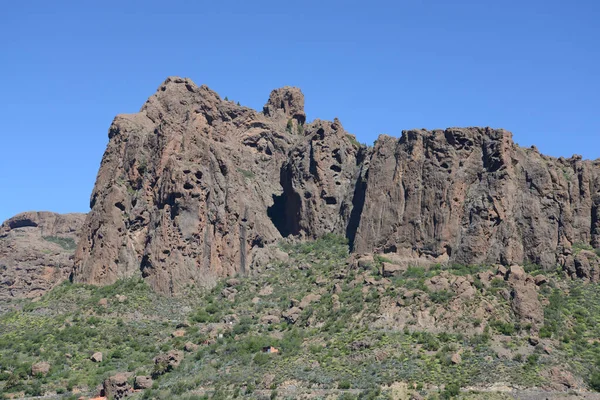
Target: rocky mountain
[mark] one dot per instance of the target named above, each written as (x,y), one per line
(36,252)
(194,187)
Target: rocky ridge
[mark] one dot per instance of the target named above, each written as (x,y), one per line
(36,252)
(194,187)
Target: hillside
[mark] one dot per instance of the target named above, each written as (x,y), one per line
(343,326)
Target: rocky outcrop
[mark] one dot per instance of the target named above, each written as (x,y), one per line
(193,188)
(36,252)
(476,197)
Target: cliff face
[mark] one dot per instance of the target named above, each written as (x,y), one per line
(472,196)
(36,252)
(193,188)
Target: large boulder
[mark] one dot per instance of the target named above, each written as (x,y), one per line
(40,368)
(117,386)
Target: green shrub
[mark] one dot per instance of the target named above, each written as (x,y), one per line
(595,381)
(344,385)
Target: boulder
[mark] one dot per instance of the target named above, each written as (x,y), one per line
(40,368)
(292,314)
(142,382)
(117,386)
(190,347)
(456,359)
(178,333)
(96,357)
(389,269)
(167,361)
(308,299)
(269,319)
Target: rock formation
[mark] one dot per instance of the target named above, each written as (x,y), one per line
(194,187)
(36,252)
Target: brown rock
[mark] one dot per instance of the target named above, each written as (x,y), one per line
(178,333)
(438,283)
(36,250)
(389,269)
(308,299)
(142,382)
(516,273)
(525,302)
(96,357)
(540,279)
(190,347)
(269,319)
(534,340)
(232,282)
(121,298)
(292,314)
(561,379)
(103,302)
(193,188)
(456,358)
(168,361)
(41,368)
(117,386)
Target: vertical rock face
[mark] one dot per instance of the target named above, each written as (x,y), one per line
(193,187)
(36,252)
(187,188)
(473,196)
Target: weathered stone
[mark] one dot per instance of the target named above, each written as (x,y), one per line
(168,361)
(308,299)
(540,279)
(232,282)
(178,333)
(117,386)
(456,358)
(41,368)
(534,340)
(292,314)
(389,269)
(269,319)
(142,382)
(36,252)
(516,273)
(193,188)
(190,347)
(96,357)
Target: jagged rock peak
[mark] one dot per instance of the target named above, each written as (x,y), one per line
(288,101)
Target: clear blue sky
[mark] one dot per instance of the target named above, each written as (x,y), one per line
(68,67)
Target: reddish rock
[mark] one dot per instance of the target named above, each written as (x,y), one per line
(142,382)
(389,269)
(190,347)
(41,368)
(117,386)
(193,188)
(36,252)
(178,333)
(540,279)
